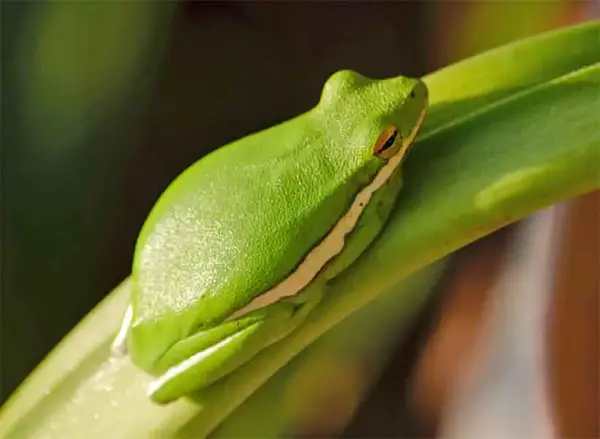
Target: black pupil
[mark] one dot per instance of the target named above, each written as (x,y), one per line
(389,142)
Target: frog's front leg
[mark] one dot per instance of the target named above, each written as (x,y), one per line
(208,355)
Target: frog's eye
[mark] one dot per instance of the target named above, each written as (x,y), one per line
(388,143)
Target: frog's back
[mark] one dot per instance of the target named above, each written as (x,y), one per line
(229,229)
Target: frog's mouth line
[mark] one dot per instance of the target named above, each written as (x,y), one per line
(333,243)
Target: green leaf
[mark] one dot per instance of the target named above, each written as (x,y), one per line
(509,132)
(362,341)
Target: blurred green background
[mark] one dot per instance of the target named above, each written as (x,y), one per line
(103,104)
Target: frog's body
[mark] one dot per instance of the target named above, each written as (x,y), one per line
(239,248)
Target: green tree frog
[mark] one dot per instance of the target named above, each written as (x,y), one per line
(241,247)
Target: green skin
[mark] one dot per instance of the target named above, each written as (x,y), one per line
(242,219)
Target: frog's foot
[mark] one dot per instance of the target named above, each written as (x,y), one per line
(119,345)
(206,356)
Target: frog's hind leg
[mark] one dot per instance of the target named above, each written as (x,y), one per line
(207,356)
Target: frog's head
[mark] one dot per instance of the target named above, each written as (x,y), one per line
(384,115)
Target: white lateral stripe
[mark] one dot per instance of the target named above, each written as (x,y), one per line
(333,243)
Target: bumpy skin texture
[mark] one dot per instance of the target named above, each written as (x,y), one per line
(240,220)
